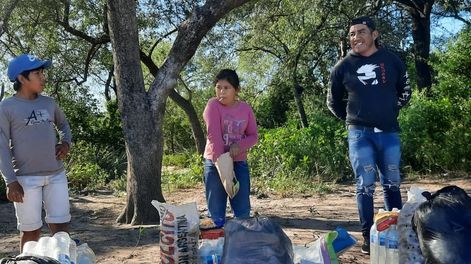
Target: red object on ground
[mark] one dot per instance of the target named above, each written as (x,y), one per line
(212,233)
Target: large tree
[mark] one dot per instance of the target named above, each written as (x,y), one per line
(288,31)
(143,109)
(420,12)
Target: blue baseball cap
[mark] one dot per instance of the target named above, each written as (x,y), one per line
(25,62)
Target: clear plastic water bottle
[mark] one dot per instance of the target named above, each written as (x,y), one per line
(211,250)
(46,247)
(29,248)
(382,247)
(73,251)
(85,255)
(392,245)
(374,244)
(62,250)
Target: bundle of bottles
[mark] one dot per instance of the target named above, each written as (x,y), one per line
(384,238)
(62,248)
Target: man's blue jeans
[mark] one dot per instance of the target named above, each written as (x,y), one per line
(371,152)
(216,196)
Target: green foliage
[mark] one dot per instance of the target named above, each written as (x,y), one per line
(93,167)
(453,80)
(436,134)
(98,155)
(182,171)
(308,155)
(271,107)
(179,159)
(178,137)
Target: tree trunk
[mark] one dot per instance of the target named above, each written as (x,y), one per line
(143,142)
(420,12)
(184,104)
(196,128)
(297,90)
(421,36)
(142,112)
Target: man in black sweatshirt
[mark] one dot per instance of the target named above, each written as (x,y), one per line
(367,89)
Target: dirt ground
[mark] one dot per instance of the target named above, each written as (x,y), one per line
(303,219)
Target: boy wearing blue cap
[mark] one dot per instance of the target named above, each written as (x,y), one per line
(30,153)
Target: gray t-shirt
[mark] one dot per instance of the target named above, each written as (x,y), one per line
(29,133)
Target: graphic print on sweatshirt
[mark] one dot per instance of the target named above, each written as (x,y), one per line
(38,117)
(367,74)
(233,129)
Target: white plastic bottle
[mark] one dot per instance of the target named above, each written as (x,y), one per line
(62,251)
(85,255)
(382,247)
(374,244)
(392,245)
(73,251)
(46,247)
(29,248)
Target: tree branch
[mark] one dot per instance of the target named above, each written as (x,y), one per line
(414,6)
(64,22)
(190,34)
(6,15)
(266,50)
(160,39)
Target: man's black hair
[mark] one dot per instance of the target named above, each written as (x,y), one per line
(364,20)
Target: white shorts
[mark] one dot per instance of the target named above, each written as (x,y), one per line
(53,191)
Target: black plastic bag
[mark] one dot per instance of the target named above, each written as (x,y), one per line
(29,260)
(256,240)
(443,225)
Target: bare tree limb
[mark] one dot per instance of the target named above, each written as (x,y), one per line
(190,34)
(160,39)
(64,22)
(108,84)
(266,50)
(6,15)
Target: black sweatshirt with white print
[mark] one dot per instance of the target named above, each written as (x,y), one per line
(369,91)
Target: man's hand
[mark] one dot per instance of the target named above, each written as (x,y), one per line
(15,192)
(62,150)
(234,150)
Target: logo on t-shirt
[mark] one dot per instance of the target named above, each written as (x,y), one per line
(367,74)
(233,130)
(38,117)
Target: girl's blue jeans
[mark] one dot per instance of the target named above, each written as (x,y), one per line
(372,153)
(216,196)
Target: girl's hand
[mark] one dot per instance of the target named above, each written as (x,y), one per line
(234,150)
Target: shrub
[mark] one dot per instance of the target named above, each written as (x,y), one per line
(435,135)
(308,155)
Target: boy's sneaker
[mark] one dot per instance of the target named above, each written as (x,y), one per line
(365,248)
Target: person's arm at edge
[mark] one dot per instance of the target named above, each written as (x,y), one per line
(251,132)
(212,118)
(63,126)
(6,165)
(336,95)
